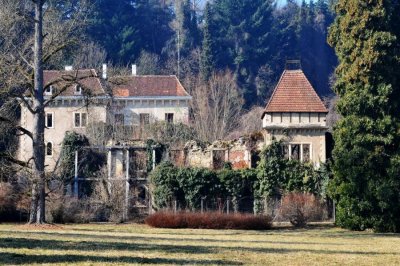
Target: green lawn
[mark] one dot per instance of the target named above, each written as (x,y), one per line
(100,244)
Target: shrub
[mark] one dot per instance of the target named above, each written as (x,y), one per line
(209,220)
(299,208)
(7,199)
(101,206)
(13,202)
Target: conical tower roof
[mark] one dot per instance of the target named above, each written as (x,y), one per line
(294,93)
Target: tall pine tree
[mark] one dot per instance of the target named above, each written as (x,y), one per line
(243,39)
(366,185)
(207,63)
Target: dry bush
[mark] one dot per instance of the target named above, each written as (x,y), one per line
(7,197)
(106,204)
(209,220)
(14,202)
(300,208)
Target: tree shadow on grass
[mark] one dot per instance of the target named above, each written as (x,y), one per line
(185,239)
(45,244)
(85,245)
(8,258)
(317,251)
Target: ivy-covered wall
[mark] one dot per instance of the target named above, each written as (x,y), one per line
(272,177)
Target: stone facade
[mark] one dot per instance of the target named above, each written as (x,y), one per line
(135,101)
(302,142)
(62,114)
(133,110)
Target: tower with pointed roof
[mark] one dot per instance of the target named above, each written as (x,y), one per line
(296,115)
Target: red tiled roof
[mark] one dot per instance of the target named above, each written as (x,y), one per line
(142,86)
(294,93)
(67,81)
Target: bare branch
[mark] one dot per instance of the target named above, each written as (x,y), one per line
(17,127)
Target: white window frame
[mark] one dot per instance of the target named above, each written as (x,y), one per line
(52,118)
(50,92)
(80,119)
(76,91)
(52,148)
(301,150)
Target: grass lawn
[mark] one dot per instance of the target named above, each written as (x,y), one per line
(100,244)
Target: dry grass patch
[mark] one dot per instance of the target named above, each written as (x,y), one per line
(106,244)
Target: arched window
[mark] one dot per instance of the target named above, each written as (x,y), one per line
(49,149)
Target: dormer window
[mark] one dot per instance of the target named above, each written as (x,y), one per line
(78,89)
(49,90)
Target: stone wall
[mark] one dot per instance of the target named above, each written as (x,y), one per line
(213,156)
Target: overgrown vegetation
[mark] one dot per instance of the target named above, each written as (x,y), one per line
(90,161)
(273,178)
(300,208)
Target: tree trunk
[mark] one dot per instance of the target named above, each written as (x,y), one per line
(37,214)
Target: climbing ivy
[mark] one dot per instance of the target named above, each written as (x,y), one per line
(89,161)
(273,177)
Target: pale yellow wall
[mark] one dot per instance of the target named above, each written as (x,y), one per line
(298,128)
(63,112)
(156,108)
(63,121)
(314,137)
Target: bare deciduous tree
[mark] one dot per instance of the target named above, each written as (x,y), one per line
(90,55)
(27,44)
(250,122)
(149,64)
(333,116)
(216,107)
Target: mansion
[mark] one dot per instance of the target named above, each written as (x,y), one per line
(80,98)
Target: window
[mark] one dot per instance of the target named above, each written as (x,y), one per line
(306,152)
(48,90)
(49,149)
(295,152)
(49,120)
(119,119)
(80,119)
(169,117)
(144,119)
(78,89)
(285,150)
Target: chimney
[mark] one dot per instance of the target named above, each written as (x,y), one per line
(134,70)
(104,73)
(69,68)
